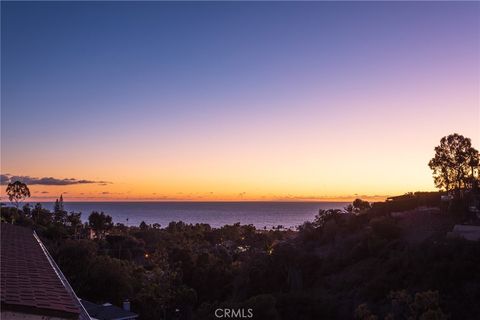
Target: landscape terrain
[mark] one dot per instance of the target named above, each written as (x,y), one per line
(396,259)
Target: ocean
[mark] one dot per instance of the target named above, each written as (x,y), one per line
(216,214)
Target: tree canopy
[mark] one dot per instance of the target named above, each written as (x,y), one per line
(100,222)
(455,165)
(17,192)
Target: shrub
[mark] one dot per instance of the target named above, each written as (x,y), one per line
(385,228)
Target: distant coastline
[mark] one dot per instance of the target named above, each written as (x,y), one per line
(261,214)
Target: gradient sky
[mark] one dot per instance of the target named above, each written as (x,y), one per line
(229,101)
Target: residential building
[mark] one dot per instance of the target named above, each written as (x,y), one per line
(107,311)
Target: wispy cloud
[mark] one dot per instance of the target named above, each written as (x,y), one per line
(342,198)
(47,181)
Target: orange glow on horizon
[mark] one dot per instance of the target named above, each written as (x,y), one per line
(84,193)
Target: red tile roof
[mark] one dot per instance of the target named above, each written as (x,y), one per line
(29,282)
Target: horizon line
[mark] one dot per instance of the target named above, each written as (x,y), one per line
(326,199)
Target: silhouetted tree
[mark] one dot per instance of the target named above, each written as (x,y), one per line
(143,225)
(474,163)
(455,164)
(17,192)
(59,204)
(100,222)
(41,215)
(27,210)
(324,216)
(59,213)
(358,206)
(74,221)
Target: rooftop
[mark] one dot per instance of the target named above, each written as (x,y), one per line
(106,311)
(30,280)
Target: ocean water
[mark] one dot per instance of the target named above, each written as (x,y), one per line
(217,214)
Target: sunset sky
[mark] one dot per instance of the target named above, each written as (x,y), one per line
(234,101)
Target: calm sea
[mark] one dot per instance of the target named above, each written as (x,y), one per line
(217,214)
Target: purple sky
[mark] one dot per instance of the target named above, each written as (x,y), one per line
(257,100)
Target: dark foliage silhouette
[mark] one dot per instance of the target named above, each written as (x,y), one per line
(455,164)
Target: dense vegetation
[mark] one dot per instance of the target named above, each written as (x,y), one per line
(358,262)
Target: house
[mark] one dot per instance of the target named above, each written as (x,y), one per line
(32,285)
(467,232)
(107,311)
